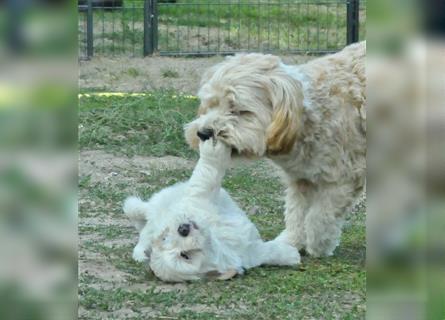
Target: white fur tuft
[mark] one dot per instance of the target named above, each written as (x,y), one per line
(136,210)
(220,240)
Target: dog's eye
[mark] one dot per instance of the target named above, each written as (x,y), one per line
(183,255)
(240,112)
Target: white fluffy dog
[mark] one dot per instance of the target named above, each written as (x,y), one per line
(310,120)
(194,230)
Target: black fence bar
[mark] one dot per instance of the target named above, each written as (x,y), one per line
(352,22)
(148,44)
(90,30)
(154,25)
(209,27)
(150,26)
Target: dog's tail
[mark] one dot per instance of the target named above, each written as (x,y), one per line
(136,210)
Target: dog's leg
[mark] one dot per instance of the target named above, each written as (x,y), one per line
(325,218)
(206,179)
(295,211)
(143,246)
(273,252)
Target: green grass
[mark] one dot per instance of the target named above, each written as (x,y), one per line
(197,26)
(327,288)
(147,125)
(168,73)
(133,72)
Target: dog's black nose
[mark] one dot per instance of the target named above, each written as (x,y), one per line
(184,229)
(205,134)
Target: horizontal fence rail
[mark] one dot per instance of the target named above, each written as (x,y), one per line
(169,27)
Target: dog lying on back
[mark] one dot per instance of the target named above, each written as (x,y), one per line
(194,230)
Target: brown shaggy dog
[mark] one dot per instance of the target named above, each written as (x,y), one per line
(310,120)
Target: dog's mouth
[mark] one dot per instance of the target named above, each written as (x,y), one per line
(235,152)
(222,134)
(187,255)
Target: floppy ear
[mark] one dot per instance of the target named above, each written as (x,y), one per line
(287,101)
(159,240)
(191,137)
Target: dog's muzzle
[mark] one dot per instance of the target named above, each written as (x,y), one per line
(205,134)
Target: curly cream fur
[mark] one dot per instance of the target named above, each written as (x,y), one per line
(310,120)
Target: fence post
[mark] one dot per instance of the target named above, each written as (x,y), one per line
(150,26)
(352,22)
(90,43)
(154,24)
(148,48)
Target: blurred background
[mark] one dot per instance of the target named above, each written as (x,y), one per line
(38,170)
(405,223)
(38,160)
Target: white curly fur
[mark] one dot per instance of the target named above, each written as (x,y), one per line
(310,120)
(222,241)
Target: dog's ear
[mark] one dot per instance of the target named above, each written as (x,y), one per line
(159,240)
(191,137)
(287,100)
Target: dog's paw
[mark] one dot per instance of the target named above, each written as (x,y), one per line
(229,274)
(215,150)
(284,254)
(293,257)
(241,271)
(139,254)
(297,242)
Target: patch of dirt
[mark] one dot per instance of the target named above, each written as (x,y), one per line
(112,74)
(123,313)
(102,270)
(107,168)
(196,308)
(104,220)
(87,255)
(177,287)
(205,308)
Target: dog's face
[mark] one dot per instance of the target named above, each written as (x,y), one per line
(179,253)
(250,103)
(183,249)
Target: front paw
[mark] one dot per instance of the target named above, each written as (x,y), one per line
(285,254)
(293,256)
(229,274)
(139,254)
(214,150)
(295,241)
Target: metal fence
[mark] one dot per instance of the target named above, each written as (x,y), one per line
(198,27)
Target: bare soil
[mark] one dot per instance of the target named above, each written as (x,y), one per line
(118,74)
(104,167)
